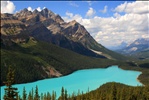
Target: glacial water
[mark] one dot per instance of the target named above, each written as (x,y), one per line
(82,80)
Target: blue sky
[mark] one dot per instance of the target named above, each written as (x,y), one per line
(109,22)
(77,7)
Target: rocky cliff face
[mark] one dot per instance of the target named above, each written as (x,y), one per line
(29,17)
(71,30)
(10,25)
(12,30)
(50,27)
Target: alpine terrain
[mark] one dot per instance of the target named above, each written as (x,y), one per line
(44,44)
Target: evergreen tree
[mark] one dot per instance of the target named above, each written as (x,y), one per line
(32,94)
(30,97)
(53,95)
(114,92)
(24,94)
(62,94)
(19,97)
(74,96)
(45,96)
(10,92)
(48,96)
(41,96)
(66,97)
(36,97)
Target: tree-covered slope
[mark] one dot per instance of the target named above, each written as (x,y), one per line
(115,91)
(33,60)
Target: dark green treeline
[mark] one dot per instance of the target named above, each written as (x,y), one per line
(108,91)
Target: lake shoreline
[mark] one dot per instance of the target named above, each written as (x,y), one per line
(84,69)
(140,80)
(98,77)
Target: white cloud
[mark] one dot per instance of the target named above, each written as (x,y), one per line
(112,31)
(104,10)
(7,7)
(69,14)
(39,9)
(90,12)
(137,7)
(30,9)
(117,15)
(121,7)
(43,7)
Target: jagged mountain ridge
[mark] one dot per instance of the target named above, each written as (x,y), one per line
(72,30)
(137,49)
(40,32)
(71,35)
(27,16)
(138,45)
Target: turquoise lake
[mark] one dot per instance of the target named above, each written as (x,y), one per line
(82,80)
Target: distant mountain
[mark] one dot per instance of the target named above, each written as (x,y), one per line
(50,27)
(142,54)
(115,48)
(139,48)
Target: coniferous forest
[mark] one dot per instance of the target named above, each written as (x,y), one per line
(108,91)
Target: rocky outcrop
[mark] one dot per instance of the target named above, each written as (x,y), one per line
(10,25)
(50,27)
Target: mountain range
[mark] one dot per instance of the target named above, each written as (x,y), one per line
(44,44)
(139,48)
(119,47)
(49,27)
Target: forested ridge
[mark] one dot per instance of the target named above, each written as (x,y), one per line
(32,56)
